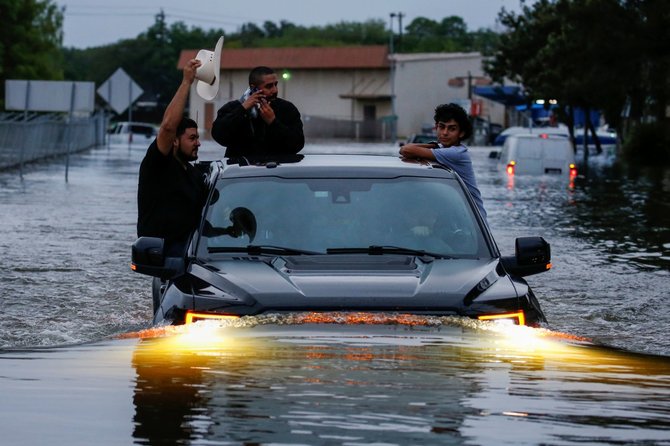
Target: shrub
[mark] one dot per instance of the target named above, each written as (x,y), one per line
(648,143)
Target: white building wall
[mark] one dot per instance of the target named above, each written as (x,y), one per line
(318,92)
(314,92)
(422,83)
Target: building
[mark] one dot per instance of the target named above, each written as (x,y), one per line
(423,80)
(349,91)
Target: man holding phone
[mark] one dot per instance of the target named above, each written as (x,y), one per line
(259,123)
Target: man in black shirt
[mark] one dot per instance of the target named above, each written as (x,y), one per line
(259,123)
(171,192)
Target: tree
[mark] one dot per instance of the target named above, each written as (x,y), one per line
(31,37)
(652,38)
(454,28)
(579,52)
(151,58)
(249,33)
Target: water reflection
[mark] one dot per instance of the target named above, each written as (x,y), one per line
(609,246)
(292,385)
(348,384)
(623,210)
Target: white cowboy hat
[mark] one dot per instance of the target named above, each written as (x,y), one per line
(207,74)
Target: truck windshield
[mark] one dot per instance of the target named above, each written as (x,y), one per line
(316,215)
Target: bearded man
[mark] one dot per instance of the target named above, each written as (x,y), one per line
(259,123)
(171,191)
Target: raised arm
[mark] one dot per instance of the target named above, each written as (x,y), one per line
(175,109)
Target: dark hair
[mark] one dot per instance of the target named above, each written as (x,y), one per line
(447,112)
(186,123)
(256,75)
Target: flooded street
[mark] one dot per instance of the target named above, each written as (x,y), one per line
(78,365)
(341,384)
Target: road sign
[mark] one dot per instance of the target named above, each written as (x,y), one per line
(120,91)
(49,96)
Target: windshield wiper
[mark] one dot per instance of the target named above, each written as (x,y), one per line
(380,250)
(256,250)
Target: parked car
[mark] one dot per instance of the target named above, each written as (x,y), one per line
(606,136)
(500,139)
(537,154)
(344,233)
(419,138)
(132,133)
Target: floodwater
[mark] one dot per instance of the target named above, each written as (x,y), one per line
(79,364)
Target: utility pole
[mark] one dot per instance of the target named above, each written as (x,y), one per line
(400,16)
(391,17)
(393,121)
(392,50)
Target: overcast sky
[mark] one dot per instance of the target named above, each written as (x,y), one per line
(99,22)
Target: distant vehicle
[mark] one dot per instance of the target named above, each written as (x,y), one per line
(342,233)
(607,137)
(132,133)
(502,136)
(484,132)
(420,138)
(537,154)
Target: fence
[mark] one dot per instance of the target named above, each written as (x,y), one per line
(27,138)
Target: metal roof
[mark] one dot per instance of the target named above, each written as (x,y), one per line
(361,57)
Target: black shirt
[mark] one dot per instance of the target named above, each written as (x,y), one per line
(243,135)
(169,197)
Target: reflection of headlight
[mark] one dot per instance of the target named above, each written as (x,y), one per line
(203,336)
(517,318)
(199,336)
(515,338)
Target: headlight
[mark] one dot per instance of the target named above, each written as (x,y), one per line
(517,318)
(192,316)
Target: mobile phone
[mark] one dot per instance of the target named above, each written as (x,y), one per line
(248,92)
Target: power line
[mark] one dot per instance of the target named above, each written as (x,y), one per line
(178,13)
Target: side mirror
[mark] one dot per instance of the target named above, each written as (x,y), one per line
(148,257)
(533,256)
(494,154)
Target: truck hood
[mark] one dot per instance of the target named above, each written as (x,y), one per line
(353,282)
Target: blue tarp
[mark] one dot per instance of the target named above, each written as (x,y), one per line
(509,95)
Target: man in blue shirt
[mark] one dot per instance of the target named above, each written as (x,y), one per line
(452,126)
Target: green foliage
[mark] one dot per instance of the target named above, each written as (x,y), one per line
(449,35)
(30,40)
(151,58)
(593,54)
(652,36)
(648,144)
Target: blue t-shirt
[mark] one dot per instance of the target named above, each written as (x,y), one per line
(458,159)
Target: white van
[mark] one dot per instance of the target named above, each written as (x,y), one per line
(537,154)
(132,133)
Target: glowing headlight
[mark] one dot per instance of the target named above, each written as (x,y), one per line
(192,316)
(517,318)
